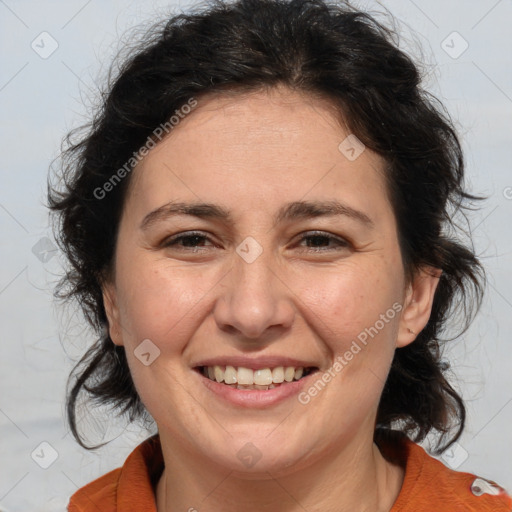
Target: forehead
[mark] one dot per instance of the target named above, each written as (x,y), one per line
(261,148)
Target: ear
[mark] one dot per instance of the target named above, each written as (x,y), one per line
(417,305)
(112,312)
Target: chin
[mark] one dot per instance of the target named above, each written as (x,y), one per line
(250,457)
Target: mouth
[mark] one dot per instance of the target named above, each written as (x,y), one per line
(262,379)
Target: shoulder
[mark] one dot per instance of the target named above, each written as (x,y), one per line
(101,492)
(430,485)
(458,491)
(130,487)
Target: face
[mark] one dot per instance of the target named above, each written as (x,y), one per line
(250,240)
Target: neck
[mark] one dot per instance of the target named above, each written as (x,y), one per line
(356,479)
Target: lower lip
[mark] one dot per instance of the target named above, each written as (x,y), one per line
(255,398)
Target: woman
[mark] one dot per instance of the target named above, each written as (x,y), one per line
(256,226)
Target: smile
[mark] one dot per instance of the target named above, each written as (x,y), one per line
(261,379)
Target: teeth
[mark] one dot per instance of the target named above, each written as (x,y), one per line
(263,377)
(289,373)
(254,386)
(219,374)
(230,375)
(245,378)
(278,374)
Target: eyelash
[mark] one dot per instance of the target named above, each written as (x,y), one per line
(342,244)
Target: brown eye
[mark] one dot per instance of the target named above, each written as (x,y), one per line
(321,241)
(189,240)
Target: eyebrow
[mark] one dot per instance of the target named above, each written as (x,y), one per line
(290,211)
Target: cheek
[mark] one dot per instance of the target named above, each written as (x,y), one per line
(159,301)
(353,303)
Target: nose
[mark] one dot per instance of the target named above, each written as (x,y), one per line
(255,301)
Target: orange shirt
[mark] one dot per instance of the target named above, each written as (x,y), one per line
(428,486)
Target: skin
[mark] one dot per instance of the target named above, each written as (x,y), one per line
(252,154)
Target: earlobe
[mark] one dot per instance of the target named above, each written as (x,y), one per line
(112,312)
(417,305)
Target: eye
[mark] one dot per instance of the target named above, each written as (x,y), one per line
(193,239)
(319,241)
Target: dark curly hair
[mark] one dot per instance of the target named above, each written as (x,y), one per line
(326,49)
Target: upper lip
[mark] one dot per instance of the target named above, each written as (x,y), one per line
(255,363)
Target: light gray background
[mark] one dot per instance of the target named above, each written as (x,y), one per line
(41,98)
